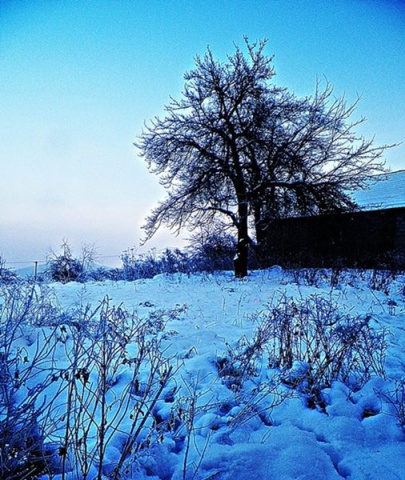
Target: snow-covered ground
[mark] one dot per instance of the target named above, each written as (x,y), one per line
(251,431)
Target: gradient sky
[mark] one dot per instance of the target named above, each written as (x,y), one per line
(78,78)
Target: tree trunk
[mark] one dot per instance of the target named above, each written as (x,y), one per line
(241,258)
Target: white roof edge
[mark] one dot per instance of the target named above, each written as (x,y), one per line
(389,192)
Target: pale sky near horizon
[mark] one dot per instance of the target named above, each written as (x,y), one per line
(79,78)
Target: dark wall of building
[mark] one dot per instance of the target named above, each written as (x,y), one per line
(362,239)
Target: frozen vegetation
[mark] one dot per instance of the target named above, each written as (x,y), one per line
(286,374)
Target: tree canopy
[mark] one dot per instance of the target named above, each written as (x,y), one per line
(237,147)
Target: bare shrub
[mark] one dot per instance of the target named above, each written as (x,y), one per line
(63,417)
(64,267)
(382,279)
(312,344)
(186,411)
(136,266)
(313,277)
(244,370)
(212,249)
(396,399)
(315,344)
(25,376)
(240,362)
(6,275)
(105,347)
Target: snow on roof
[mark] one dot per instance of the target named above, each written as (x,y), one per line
(389,192)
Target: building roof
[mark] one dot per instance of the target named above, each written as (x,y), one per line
(388,192)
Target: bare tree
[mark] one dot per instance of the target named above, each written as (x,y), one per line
(238,147)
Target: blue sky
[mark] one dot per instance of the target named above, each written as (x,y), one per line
(79,78)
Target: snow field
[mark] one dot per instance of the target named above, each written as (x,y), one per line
(262,429)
